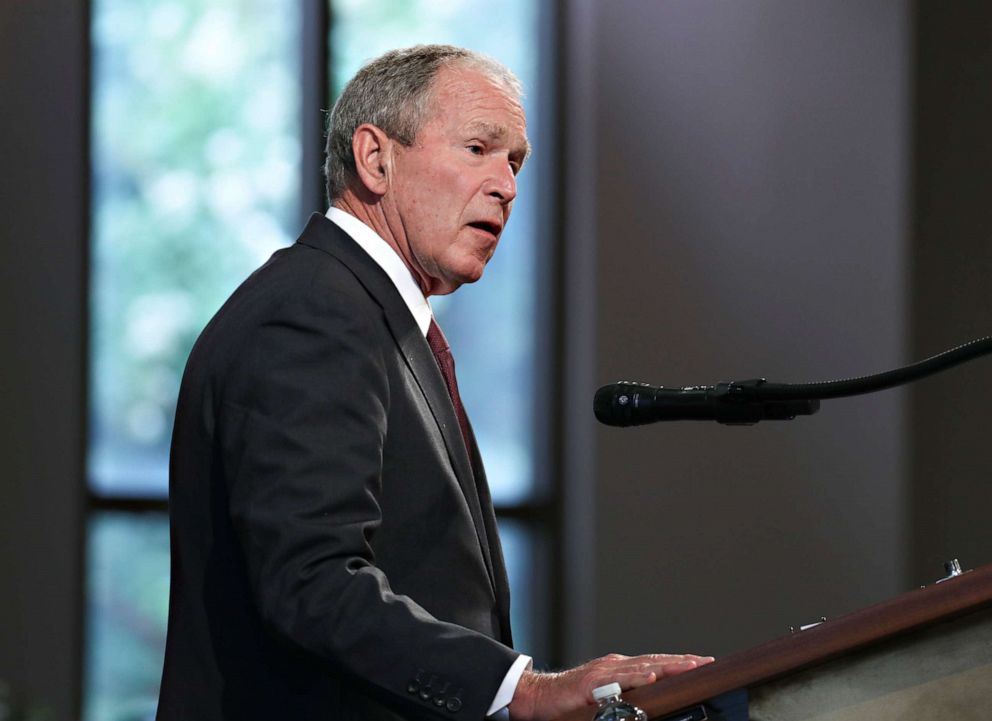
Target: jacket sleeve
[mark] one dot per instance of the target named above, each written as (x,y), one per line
(304,411)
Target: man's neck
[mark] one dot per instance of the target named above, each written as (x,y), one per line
(373,215)
(387,259)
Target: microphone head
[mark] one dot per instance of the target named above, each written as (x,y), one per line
(613,403)
(602,404)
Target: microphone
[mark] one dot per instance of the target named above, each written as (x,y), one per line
(747,402)
(633,404)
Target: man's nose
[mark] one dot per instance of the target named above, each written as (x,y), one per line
(503,183)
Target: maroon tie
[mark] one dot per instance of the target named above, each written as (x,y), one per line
(446,362)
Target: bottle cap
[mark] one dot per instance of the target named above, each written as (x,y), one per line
(610,689)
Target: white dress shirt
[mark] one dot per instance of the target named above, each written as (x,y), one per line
(390,261)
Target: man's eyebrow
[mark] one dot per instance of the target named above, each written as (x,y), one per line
(492,130)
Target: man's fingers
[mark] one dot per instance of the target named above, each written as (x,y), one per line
(626,679)
(667,664)
(633,671)
(661,657)
(676,667)
(647,662)
(638,678)
(639,672)
(701,660)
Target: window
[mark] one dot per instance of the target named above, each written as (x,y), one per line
(198,167)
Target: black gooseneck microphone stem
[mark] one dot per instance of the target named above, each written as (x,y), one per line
(761,390)
(750,401)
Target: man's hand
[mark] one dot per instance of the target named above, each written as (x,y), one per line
(543,696)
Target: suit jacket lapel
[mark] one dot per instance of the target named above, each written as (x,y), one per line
(325,235)
(501,582)
(424,367)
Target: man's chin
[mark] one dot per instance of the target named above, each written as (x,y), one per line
(448,286)
(453,281)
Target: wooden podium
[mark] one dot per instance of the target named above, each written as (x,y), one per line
(923,656)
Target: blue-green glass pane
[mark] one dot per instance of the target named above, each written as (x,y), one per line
(196,180)
(491,325)
(525,553)
(127,597)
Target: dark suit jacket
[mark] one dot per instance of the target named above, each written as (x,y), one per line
(334,548)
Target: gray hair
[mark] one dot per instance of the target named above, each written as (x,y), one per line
(394,92)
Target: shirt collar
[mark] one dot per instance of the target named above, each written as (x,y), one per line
(390,261)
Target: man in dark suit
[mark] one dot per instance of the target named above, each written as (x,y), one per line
(334,548)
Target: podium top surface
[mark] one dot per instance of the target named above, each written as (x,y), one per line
(913,610)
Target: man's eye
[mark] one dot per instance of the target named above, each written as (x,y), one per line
(475,149)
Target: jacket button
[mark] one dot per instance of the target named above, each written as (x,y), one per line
(414,685)
(439,701)
(453,704)
(425,691)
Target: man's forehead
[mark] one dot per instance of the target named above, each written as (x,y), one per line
(479,104)
(471,87)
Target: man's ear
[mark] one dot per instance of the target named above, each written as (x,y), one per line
(372,149)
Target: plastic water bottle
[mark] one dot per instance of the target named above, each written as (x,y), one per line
(612,707)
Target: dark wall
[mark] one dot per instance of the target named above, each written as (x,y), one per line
(42,134)
(798,191)
(753,202)
(952,284)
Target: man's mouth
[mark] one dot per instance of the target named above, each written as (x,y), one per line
(487,226)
